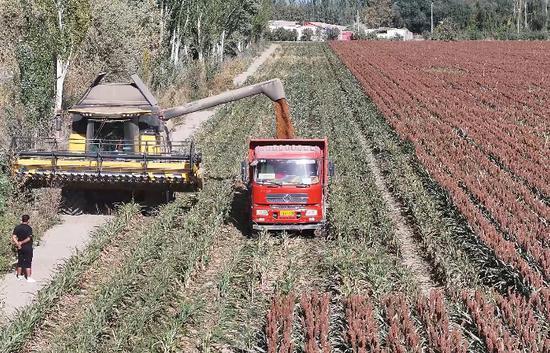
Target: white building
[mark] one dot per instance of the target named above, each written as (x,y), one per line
(318,29)
(389,33)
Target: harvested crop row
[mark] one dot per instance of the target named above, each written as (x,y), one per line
(85,331)
(201,227)
(126,318)
(242,285)
(214,316)
(68,307)
(18,331)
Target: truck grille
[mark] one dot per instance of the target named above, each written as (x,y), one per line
(287,198)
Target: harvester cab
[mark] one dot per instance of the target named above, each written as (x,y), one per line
(119,147)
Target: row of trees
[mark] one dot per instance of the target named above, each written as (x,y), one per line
(473,15)
(54,47)
(198,28)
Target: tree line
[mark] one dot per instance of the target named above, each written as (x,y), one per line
(52,49)
(475,16)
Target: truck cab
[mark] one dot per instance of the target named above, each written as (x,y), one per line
(287,180)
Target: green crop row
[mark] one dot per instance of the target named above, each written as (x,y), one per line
(85,333)
(359,254)
(363,254)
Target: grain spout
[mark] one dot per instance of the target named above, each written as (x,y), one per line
(283,123)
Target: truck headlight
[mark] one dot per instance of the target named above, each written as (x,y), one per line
(262,212)
(311,213)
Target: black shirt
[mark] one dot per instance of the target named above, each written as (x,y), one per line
(23,231)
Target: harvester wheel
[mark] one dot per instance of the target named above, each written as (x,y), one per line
(73,202)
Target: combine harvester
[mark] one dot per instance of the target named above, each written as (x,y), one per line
(119,148)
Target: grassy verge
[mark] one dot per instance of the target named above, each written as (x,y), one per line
(200,80)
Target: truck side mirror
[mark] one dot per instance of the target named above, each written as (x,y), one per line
(244,172)
(330,169)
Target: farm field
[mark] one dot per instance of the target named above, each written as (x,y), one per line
(478,118)
(420,276)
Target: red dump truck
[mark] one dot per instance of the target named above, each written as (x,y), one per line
(287,181)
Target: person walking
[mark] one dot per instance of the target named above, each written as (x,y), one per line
(22,238)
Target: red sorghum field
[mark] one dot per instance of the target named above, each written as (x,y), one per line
(399,324)
(478,116)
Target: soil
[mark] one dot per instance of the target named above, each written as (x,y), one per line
(69,307)
(409,250)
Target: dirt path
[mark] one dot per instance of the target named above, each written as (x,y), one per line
(69,307)
(410,252)
(192,122)
(58,244)
(239,80)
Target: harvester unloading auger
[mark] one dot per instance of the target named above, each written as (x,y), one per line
(119,146)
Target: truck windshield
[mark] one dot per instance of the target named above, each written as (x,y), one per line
(287,171)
